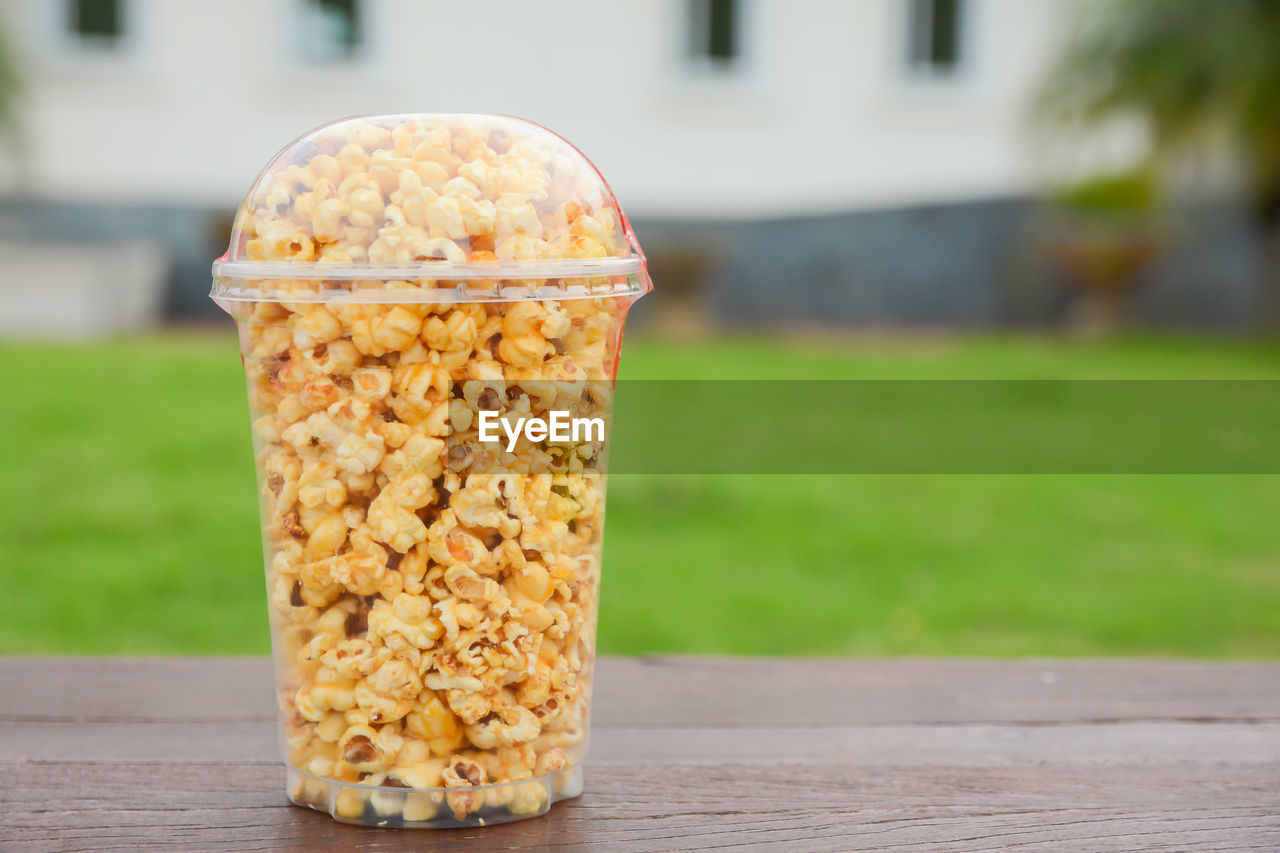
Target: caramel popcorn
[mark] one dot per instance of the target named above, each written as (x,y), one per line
(433,597)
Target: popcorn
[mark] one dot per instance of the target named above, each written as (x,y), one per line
(438,615)
(319,486)
(396,679)
(360,749)
(327,536)
(551,761)
(397,633)
(432,720)
(392,514)
(513,214)
(381,708)
(465,583)
(353,658)
(504,727)
(462,773)
(316,326)
(328,696)
(334,358)
(360,570)
(356,447)
(533,582)
(536,689)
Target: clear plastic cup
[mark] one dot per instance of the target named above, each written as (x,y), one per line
(432,596)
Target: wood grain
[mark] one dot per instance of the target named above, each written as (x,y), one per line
(706,691)
(870,746)
(913,755)
(682,807)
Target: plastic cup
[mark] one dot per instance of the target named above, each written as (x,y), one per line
(432,594)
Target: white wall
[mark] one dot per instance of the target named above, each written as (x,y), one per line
(825,118)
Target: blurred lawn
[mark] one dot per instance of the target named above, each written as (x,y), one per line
(129,522)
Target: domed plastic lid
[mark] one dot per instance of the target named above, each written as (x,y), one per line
(473,204)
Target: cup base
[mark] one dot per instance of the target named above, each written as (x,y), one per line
(433,808)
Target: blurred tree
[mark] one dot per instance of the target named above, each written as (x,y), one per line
(9,85)
(1195,71)
(1106,232)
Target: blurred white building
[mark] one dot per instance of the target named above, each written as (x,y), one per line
(153,116)
(692,108)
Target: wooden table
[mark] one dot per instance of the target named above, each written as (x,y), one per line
(903,755)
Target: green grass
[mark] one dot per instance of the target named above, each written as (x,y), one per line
(129,521)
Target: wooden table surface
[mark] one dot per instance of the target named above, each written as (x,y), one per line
(902,755)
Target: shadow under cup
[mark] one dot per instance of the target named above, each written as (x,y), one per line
(432,595)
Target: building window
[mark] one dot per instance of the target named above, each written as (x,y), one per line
(935,37)
(329,30)
(714,33)
(96,22)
